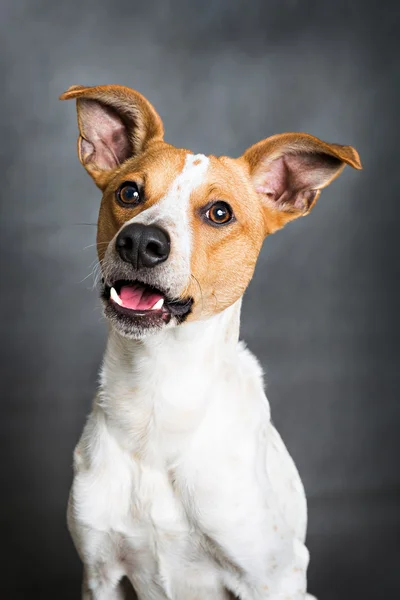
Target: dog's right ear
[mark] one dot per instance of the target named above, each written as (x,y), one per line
(115,123)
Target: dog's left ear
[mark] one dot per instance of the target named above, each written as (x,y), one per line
(289,171)
(115,123)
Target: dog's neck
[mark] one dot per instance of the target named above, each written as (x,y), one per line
(202,339)
(164,381)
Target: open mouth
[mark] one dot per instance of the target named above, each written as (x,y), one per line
(143,304)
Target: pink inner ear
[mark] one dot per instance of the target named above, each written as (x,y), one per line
(105,142)
(293,180)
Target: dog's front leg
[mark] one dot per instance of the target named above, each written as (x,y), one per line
(101,586)
(249,519)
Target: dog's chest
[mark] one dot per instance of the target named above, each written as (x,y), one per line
(129,478)
(139,521)
(156,472)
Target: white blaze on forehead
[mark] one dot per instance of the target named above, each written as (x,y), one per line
(172,213)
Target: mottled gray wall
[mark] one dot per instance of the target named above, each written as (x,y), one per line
(322,312)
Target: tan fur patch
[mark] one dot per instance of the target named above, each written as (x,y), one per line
(224,257)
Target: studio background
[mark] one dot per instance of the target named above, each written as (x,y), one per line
(322,312)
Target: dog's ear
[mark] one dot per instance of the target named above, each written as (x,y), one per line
(289,170)
(115,123)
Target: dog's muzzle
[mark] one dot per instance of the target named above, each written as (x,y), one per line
(138,290)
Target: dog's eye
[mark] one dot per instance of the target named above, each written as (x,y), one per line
(220,213)
(128,194)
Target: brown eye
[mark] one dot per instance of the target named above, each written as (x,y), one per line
(219,213)
(128,194)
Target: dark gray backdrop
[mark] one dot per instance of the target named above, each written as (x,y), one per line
(321,313)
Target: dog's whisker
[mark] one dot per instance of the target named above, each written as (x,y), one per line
(85,278)
(95,272)
(95,245)
(216,299)
(201,291)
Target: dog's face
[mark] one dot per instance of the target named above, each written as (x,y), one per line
(179,234)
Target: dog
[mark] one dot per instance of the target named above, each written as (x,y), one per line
(181,483)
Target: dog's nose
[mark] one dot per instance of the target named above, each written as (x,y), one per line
(143,245)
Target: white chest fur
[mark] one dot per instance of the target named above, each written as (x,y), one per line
(181,482)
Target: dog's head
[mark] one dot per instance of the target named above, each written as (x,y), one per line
(179,234)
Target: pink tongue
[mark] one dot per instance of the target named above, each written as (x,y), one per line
(136,297)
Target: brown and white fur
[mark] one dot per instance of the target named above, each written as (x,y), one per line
(181,482)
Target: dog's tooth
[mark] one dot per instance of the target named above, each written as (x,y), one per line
(114,296)
(158,304)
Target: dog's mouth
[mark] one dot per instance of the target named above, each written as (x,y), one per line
(143,304)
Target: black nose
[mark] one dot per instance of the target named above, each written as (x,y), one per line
(143,245)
